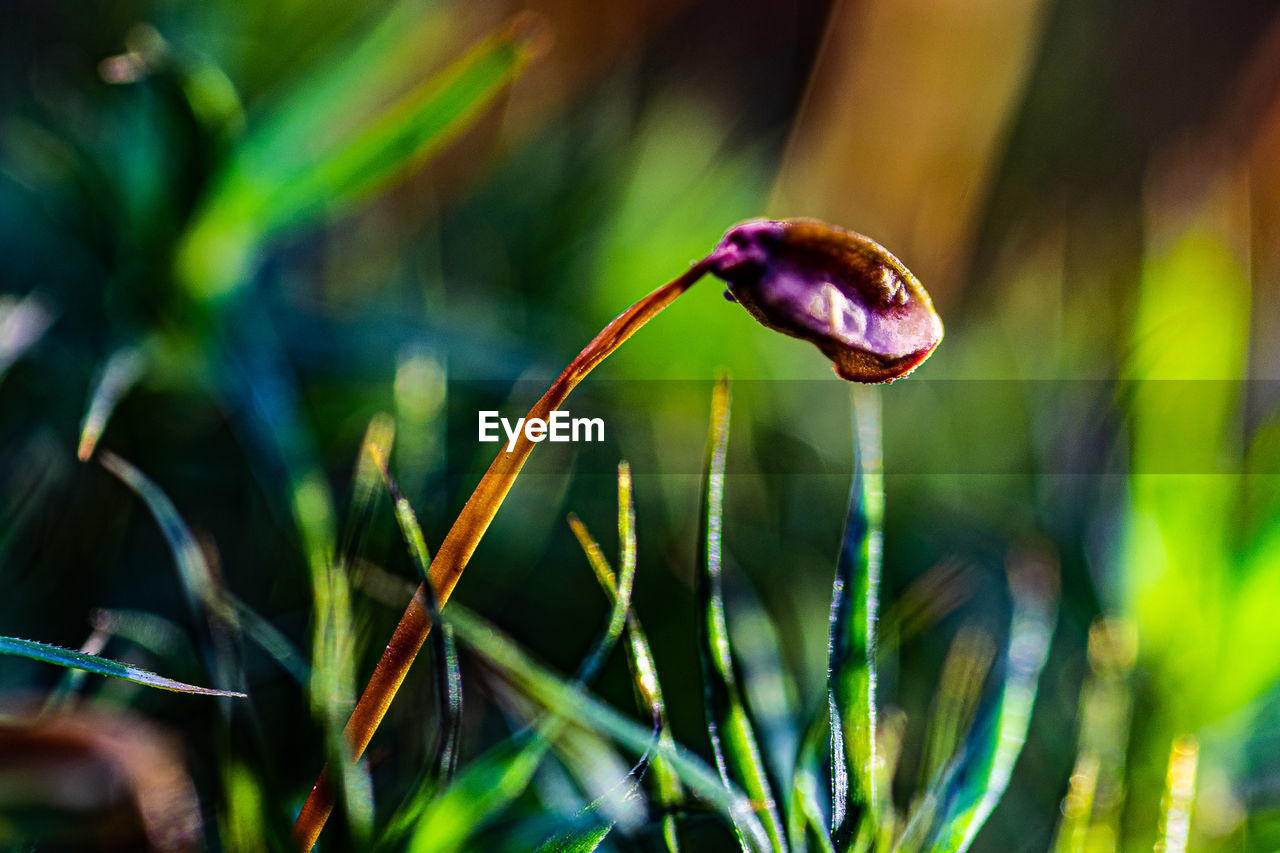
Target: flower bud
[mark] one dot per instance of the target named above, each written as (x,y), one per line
(838,289)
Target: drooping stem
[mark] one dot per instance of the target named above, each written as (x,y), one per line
(461,542)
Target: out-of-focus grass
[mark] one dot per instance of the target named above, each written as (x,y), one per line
(308,159)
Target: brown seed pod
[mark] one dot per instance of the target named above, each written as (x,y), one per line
(838,289)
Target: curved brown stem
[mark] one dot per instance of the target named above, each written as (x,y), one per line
(461,542)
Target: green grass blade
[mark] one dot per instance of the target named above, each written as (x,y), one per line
(193,569)
(851,648)
(261,191)
(120,373)
(729,723)
(573,703)
(644,674)
(444,652)
(955,706)
(101,666)
(968,794)
(214,616)
(579,840)
(620,597)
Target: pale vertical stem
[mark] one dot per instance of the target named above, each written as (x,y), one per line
(866,406)
(1180,791)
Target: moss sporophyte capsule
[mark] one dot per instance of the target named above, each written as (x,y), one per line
(841,291)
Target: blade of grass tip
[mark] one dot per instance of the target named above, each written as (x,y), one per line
(851,641)
(22,324)
(122,370)
(574,704)
(59,656)
(215,618)
(729,724)
(644,674)
(577,840)
(618,800)
(1179,794)
(375,449)
(980,773)
(256,198)
(620,599)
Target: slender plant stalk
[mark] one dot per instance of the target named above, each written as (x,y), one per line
(461,542)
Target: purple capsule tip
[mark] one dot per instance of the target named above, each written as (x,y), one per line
(839,290)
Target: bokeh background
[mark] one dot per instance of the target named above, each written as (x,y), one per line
(1089,190)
